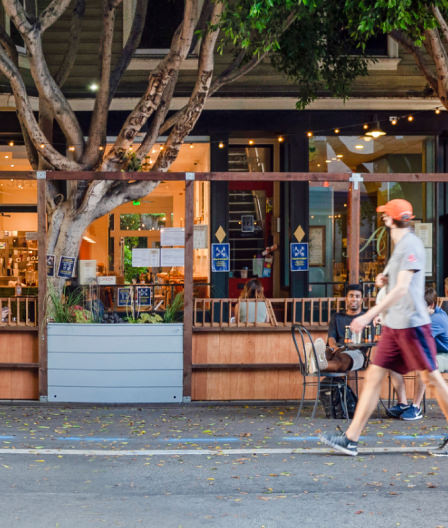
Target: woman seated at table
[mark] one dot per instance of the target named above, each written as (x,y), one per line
(251,306)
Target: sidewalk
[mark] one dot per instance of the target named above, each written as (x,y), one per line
(197,426)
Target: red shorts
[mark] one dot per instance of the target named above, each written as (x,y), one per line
(406,349)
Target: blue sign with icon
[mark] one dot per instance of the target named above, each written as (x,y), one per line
(221,257)
(299,256)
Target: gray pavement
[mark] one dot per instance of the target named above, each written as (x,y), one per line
(213,465)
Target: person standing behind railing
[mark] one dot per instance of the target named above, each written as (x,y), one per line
(251,307)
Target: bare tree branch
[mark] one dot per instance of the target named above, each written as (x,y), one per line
(157,83)
(73,44)
(26,115)
(440,58)
(193,109)
(231,74)
(98,121)
(51,13)
(157,120)
(132,42)
(402,39)
(11,50)
(441,20)
(45,83)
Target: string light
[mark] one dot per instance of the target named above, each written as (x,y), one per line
(336,130)
(365,126)
(11,143)
(410,118)
(251,141)
(221,145)
(309,134)
(101,147)
(393,120)
(437,111)
(42,145)
(280,139)
(71,148)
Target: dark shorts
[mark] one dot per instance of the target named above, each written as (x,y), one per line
(406,349)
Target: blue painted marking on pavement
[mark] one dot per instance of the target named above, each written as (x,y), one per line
(90,439)
(6,437)
(210,440)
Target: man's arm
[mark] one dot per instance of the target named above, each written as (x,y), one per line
(332,332)
(392,297)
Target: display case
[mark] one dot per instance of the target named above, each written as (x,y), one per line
(18,258)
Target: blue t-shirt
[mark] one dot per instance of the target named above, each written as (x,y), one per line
(439,330)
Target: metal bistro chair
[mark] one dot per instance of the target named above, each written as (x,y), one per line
(314,380)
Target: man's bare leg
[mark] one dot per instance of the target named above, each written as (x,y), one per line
(399,386)
(434,379)
(368,400)
(419,390)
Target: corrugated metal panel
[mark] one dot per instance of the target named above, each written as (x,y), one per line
(115,363)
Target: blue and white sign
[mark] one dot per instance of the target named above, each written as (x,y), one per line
(221,257)
(66,267)
(124,297)
(143,295)
(299,256)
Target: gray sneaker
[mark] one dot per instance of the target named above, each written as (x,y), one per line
(320,348)
(442,450)
(340,442)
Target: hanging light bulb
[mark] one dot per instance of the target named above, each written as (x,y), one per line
(376,132)
(221,145)
(410,118)
(280,139)
(309,134)
(437,111)
(365,126)
(11,143)
(251,142)
(336,130)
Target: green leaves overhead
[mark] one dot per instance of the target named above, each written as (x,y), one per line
(318,53)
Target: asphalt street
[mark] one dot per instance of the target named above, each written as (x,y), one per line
(213,466)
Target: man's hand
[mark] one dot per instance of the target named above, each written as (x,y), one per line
(359,323)
(381,280)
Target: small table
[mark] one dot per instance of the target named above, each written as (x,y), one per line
(366,349)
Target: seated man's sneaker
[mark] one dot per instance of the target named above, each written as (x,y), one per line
(442,450)
(340,442)
(397,410)
(309,359)
(320,348)
(411,413)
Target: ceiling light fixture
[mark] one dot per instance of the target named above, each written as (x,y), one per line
(376,132)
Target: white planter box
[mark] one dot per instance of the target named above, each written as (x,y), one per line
(115,363)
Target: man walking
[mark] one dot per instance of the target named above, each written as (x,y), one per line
(406,343)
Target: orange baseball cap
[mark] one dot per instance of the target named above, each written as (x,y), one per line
(398,209)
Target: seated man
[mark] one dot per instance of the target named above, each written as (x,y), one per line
(439,330)
(336,357)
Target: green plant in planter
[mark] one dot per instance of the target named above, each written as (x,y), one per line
(150,318)
(172,314)
(67,308)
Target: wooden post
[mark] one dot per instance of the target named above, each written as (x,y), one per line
(353,228)
(188,283)
(42,282)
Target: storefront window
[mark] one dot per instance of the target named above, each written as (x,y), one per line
(329,204)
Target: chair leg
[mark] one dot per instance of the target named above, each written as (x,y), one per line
(347,417)
(301,401)
(316,401)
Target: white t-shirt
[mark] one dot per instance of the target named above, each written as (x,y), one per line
(410,311)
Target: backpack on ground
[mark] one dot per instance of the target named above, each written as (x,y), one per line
(332,399)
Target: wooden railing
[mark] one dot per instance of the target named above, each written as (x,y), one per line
(311,312)
(18,311)
(220,313)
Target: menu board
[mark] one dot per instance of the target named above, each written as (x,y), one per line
(172,236)
(145,258)
(200,237)
(172,257)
